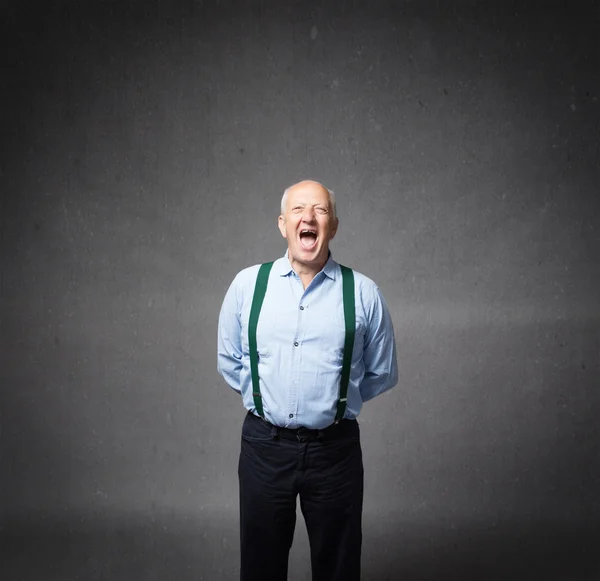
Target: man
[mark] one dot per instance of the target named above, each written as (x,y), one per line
(286,358)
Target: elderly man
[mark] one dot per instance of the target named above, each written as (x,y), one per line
(305,341)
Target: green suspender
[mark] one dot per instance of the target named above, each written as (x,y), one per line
(257,300)
(350,320)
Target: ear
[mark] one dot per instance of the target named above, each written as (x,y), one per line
(334,228)
(281,224)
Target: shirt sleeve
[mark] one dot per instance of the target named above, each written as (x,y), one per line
(229,340)
(379,351)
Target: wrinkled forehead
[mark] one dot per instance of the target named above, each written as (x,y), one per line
(310,193)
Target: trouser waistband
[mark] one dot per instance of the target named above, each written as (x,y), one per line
(346,428)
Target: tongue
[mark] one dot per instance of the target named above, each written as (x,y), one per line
(308,242)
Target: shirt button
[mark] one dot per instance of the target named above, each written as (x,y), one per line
(295,343)
(301,308)
(291,416)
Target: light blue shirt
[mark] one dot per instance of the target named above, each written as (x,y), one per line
(300,339)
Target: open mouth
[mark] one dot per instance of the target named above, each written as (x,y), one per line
(308,239)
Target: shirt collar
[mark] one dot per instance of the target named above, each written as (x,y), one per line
(284,267)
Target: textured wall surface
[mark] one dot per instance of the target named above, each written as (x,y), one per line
(145,148)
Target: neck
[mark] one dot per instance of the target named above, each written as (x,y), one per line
(307,272)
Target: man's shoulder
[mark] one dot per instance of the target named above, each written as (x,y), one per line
(363,282)
(247,276)
(368,295)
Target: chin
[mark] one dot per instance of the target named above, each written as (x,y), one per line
(311,257)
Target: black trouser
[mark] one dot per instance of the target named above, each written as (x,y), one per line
(325,469)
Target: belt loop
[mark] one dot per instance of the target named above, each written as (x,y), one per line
(274,432)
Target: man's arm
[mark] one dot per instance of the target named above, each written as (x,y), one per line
(379,351)
(229,341)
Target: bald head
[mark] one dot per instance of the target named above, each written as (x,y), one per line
(308,223)
(304,183)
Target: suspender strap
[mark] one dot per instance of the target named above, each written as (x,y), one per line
(350,321)
(257,301)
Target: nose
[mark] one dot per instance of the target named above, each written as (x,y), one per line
(309,214)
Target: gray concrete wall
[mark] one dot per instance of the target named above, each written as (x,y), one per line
(145,150)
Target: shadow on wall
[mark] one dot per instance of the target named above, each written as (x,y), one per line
(513,551)
(128,548)
(120,547)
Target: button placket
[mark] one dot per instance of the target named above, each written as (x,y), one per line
(293,399)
